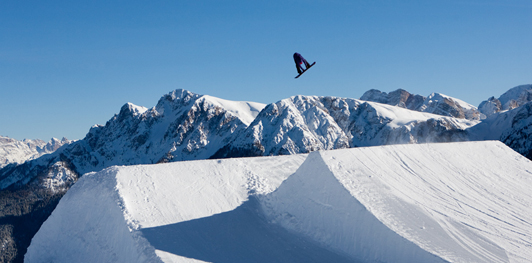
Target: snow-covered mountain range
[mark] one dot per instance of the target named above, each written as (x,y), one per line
(183,126)
(303,124)
(444,202)
(15,151)
(188,126)
(508,118)
(436,103)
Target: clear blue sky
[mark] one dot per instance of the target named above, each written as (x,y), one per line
(67,65)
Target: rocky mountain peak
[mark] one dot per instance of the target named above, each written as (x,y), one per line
(513,98)
(435,103)
(490,106)
(516,97)
(441,104)
(400,98)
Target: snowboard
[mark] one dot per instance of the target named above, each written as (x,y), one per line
(306,69)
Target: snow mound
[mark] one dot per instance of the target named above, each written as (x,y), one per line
(448,202)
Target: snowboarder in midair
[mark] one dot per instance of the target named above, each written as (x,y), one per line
(300,60)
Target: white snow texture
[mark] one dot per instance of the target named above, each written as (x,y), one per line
(447,202)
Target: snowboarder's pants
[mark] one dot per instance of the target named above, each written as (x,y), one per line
(298,64)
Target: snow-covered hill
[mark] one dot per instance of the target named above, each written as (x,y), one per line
(435,103)
(15,151)
(402,203)
(303,124)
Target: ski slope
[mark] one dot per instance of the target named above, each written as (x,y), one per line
(448,202)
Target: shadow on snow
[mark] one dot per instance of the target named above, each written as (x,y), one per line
(240,235)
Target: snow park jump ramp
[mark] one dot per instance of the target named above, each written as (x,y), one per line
(447,202)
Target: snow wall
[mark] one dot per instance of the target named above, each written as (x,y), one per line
(449,202)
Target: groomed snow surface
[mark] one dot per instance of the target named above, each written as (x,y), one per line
(449,202)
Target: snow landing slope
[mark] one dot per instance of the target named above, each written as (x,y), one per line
(447,202)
